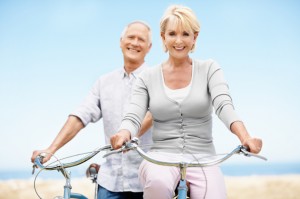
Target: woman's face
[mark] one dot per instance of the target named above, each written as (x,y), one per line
(178,41)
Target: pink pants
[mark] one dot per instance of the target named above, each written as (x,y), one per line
(160,181)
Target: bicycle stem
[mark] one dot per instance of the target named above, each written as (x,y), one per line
(183,167)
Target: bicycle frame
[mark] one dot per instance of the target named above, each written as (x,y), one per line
(182,188)
(67,191)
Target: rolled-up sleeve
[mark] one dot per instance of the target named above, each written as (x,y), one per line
(221,99)
(90,108)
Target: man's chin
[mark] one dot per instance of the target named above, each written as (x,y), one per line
(133,58)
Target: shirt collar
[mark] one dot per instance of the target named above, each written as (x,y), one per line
(135,72)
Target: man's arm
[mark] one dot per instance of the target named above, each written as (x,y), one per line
(122,136)
(70,129)
(146,124)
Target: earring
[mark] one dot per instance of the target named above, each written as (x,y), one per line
(192,49)
(166,49)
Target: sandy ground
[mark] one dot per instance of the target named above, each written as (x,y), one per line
(250,187)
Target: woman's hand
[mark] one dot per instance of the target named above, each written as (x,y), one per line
(254,144)
(118,139)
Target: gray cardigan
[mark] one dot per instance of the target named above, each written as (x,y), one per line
(184,127)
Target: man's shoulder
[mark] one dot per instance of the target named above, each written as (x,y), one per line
(112,75)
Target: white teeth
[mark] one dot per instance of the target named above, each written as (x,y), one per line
(179,48)
(133,50)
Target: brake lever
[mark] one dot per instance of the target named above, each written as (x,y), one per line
(113,152)
(126,146)
(33,169)
(246,152)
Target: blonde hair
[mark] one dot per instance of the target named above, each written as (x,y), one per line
(181,16)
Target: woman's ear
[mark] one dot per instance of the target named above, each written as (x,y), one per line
(162,35)
(163,38)
(196,36)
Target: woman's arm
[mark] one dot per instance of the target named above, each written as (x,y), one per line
(254,144)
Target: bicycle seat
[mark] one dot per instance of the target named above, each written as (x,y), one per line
(92,170)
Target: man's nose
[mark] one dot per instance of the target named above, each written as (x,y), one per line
(135,42)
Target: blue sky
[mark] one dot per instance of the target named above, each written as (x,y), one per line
(51,53)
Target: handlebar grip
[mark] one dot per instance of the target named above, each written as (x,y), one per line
(38,161)
(246,151)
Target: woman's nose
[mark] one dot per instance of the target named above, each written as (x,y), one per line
(178,39)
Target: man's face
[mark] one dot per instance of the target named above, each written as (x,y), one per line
(135,43)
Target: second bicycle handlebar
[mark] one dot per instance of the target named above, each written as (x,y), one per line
(38,160)
(133,145)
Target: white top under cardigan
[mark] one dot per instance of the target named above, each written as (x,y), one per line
(177,94)
(185,127)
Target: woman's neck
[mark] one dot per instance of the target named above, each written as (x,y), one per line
(176,64)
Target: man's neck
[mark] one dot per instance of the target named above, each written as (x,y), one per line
(130,66)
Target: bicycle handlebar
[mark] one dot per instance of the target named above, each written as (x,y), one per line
(39,158)
(133,145)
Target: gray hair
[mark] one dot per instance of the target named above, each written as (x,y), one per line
(140,22)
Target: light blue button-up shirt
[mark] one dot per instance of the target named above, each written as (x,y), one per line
(109,99)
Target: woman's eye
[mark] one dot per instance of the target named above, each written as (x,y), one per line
(186,34)
(171,33)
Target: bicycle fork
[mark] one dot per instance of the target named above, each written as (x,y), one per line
(69,194)
(67,189)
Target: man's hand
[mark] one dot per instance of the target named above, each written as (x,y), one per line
(47,156)
(118,139)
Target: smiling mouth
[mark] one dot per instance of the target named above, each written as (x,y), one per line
(133,50)
(179,48)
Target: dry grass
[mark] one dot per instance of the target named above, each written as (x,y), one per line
(251,187)
(259,187)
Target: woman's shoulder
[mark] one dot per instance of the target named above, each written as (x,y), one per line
(151,71)
(207,65)
(151,75)
(203,63)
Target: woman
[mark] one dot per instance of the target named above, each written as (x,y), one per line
(181,94)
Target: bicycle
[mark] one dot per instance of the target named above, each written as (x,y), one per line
(182,188)
(61,167)
(131,145)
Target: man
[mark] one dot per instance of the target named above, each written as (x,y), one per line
(109,99)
